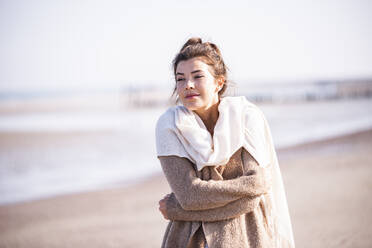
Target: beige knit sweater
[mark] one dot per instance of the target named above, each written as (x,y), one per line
(223,206)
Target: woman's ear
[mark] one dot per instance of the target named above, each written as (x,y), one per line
(220,82)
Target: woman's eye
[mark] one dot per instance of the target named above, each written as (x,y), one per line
(180,79)
(199,76)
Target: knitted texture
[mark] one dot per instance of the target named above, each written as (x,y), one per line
(223,205)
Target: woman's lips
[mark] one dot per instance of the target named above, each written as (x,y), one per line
(192,96)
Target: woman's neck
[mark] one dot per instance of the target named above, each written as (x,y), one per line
(209,116)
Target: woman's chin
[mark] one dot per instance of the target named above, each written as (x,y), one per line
(191,106)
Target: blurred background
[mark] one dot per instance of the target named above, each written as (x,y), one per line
(82,83)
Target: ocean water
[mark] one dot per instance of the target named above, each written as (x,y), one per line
(48,154)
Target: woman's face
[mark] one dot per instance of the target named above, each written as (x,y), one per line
(196,86)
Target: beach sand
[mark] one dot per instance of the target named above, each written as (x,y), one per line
(328,185)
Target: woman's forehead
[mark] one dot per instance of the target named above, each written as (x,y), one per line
(190,65)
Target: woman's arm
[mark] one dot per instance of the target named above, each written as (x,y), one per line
(244,205)
(193,193)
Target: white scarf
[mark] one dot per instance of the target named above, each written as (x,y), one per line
(235,128)
(181,132)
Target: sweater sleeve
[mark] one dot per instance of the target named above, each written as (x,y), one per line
(193,193)
(231,210)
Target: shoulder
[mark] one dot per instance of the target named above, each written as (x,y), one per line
(253,118)
(165,125)
(253,114)
(166,134)
(166,119)
(250,111)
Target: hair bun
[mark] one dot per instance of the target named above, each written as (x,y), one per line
(214,47)
(192,41)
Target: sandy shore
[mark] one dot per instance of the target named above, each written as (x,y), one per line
(328,186)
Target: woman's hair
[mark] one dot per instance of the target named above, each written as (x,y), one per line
(208,53)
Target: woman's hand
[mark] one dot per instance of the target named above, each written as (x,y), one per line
(163,206)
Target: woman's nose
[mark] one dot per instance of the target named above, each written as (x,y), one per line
(189,84)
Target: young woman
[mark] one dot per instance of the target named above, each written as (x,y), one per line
(218,157)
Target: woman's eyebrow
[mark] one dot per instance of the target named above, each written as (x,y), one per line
(180,73)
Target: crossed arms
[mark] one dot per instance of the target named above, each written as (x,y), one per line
(194,199)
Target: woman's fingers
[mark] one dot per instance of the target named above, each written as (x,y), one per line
(163,206)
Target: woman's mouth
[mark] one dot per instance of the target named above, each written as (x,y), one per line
(191,96)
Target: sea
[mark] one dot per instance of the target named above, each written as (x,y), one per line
(47,154)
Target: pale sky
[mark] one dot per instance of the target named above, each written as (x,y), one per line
(102,44)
